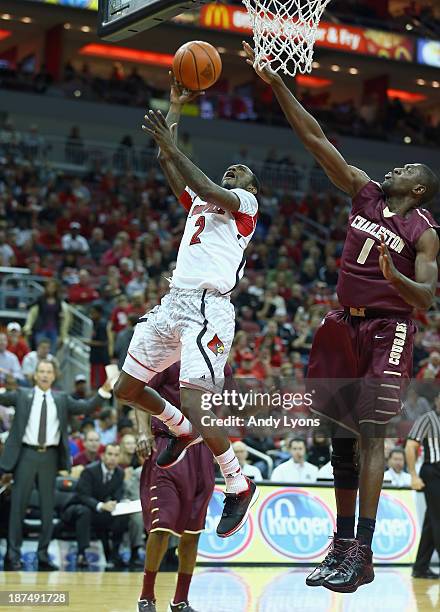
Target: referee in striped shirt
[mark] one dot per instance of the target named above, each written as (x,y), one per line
(426,430)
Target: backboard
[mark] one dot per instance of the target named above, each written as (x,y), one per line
(118,19)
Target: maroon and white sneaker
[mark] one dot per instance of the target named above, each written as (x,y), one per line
(236,510)
(176,450)
(354,571)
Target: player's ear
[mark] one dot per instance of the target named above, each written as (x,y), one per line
(419,190)
(252,189)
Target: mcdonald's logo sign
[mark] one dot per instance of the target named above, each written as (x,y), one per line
(216,16)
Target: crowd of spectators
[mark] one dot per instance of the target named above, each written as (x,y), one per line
(373,117)
(106,244)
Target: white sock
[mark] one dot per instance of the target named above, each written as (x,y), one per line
(174,420)
(231,470)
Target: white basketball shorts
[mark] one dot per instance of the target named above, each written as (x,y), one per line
(194,325)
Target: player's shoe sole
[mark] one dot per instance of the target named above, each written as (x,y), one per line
(254,498)
(165,462)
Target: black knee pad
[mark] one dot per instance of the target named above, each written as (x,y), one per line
(345,463)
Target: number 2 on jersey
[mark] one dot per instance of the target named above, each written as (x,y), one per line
(365,251)
(200,223)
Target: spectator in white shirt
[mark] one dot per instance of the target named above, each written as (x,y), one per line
(32,359)
(9,363)
(396,473)
(241,452)
(73,242)
(296,469)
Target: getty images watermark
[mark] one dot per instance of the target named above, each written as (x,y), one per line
(251,401)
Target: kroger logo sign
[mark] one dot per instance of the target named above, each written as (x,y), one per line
(213,547)
(296,524)
(395,529)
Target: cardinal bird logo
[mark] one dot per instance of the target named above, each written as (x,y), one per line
(216,346)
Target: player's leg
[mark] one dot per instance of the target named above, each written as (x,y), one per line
(136,393)
(156,547)
(152,349)
(332,368)
(197,471)
(187,552)
(161,493)
(344,460)
(384,370)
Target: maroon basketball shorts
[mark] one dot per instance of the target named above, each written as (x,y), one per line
(176,500)
(359,368)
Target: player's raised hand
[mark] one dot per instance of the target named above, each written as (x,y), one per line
(386,263)
(157,127)
(180,95)
(264,71)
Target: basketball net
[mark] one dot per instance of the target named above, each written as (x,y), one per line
(285,32)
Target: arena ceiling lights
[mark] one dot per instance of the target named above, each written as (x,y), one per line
(126,54)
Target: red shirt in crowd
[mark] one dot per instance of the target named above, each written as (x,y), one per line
(119,318)
(20,349)
(82,294)
(82,458)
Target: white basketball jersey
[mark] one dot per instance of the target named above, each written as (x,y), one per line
(211,253)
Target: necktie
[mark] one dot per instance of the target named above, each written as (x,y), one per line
(108,477)
(43,423)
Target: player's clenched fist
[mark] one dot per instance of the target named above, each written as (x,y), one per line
(145,445)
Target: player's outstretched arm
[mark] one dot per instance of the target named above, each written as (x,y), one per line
(156,126)
(420,292)
(178,97)
(345,177)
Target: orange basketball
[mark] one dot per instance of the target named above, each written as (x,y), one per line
(197,65)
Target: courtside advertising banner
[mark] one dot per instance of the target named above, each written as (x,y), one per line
(292,524)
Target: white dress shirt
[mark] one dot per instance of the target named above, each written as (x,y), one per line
(398,479)
(33,425)
(252,472)
(289,471)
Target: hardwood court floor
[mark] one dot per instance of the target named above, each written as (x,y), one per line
(231,590)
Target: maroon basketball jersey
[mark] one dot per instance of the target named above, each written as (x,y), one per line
(361,282)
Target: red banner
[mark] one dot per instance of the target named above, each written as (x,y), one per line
(334,36)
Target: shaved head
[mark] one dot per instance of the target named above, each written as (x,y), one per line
(430,181)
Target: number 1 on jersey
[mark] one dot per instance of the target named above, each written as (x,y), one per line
(368,245)
(201,226)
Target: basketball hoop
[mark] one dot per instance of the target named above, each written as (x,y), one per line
(285,32)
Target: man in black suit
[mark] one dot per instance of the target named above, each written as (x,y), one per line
(99,488)
(36,448)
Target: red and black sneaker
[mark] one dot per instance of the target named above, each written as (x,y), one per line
(236,510)
(334,557)
(176,450)
(354,571)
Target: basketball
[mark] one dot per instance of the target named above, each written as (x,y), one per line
(197,65)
